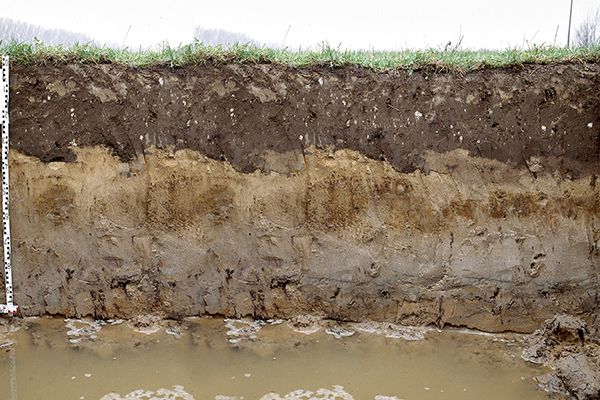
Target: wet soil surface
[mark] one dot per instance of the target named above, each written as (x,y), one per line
(564,345)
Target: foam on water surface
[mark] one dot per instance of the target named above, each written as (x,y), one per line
(248,329)
(178,392)
(160,394)
(82,328)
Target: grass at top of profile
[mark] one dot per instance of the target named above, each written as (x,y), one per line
(198,53)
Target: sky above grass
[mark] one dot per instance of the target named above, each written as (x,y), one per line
(351,24)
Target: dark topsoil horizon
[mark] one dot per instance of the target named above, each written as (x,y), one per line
(238,112)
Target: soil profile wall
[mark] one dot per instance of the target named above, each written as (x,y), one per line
(264,190)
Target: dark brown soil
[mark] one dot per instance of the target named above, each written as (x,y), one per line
(238,112)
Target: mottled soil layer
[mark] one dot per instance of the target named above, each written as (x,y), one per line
(263,190)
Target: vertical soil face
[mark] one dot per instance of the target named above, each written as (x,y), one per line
(270,191)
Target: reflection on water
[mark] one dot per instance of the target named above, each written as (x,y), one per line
(212,358)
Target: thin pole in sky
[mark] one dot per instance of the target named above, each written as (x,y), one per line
(569,31)
(285,37)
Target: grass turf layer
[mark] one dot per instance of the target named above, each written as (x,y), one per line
(198,53)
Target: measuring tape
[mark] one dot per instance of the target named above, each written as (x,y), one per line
(13,371)
(9,307)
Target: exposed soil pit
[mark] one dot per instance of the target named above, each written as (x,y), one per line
(266,191)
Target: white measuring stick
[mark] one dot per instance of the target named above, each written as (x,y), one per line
(13,371)
(9,307)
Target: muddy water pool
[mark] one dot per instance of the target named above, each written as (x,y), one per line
(213,358)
